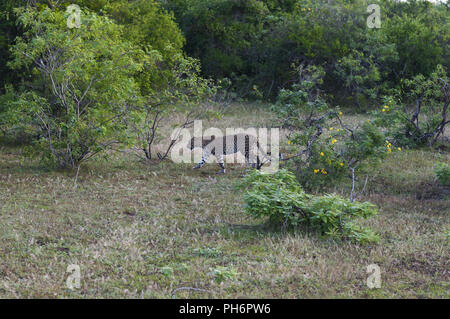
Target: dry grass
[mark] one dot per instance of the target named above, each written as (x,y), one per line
(139,231)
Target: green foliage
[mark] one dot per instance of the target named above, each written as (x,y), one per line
(7,118)
(151,28)
(9,30)
(421,117)
(303,98)
(82,84)
(281,198)
(359,75)
(221,33)
(255,42)
(222,274)
(208,252)
(419,37)
(324,147)
(442,173)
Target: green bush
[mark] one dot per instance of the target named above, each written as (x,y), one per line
(222,274)
(442,173)
(281,198)
(81,85)
(254,42)
(321,146)
(420,117)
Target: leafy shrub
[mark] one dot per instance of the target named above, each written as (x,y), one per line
(254,42)
(323,147)
(222,274)
(81,86)
(166,271)
(8,117)
(281,198)
(421,117)
(207,252)
(359,75)
(442,173)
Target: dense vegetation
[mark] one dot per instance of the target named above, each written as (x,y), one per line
(255,42)
(84,80)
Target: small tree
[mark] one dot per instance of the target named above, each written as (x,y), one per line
(324,147)
(421,117)
(186,93)
(82,85)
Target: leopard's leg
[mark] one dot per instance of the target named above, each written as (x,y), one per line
(250,156)
(221,164)
(205,157)
(247,160)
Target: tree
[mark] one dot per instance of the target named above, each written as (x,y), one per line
(324,147)
(418,114)
(82,83)
(186,93)
(8,32)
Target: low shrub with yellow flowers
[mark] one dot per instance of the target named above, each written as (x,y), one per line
(416,115)
(328,148)
(342,150)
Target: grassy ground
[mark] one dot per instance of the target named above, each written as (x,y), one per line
(138,232)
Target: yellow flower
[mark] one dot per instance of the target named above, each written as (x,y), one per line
(338,130)
(324,171)
(309,9)
(342,164)
(399,148)
(331,128)
(333,141)
(322,154)
(340,113)
(339,61)
(316,171)
(383,110)
(289,142)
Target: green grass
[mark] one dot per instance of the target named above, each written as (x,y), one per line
(142,232)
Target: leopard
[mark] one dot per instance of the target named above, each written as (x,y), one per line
(246,144)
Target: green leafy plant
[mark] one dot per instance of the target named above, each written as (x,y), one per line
(166,271)
(281,199)
(421,117)
(207,252)
(442,173)
(222,274)
(359,74)
(324,148)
